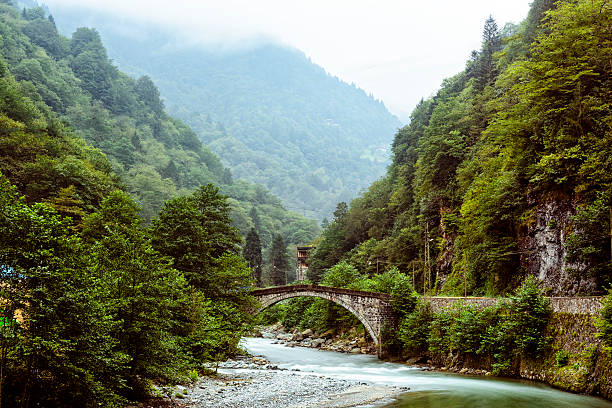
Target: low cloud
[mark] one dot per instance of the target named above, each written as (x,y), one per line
(398,50)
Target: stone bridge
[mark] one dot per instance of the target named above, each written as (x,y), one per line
(374,309)
(371,308)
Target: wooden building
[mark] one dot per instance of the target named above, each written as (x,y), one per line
(302,262)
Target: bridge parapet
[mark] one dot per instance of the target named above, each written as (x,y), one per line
(559,304)
(321,289)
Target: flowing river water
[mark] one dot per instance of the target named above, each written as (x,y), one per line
(427,389)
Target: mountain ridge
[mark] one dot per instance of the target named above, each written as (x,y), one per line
(277,118)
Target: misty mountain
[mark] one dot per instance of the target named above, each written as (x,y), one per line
(272,115)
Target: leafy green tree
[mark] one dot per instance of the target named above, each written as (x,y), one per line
(43,33)
(341,275)
(143,291)
(589,243)
(149,94)
(413,331)
(90,64)
(195,231)
(63,355)
(332,245)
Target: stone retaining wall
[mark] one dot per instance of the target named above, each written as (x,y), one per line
(590,305)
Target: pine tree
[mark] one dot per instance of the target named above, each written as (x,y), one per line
(486,71)
(252,254)
(279,265)
(255,218)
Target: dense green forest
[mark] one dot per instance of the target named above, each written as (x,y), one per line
(155,156)
(120,262)
(273,116)
(500,185)
(505,172)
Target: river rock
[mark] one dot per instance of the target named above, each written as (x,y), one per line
(328,334)
(355,350)
(317,343)
(307,333)
(416,360)
(284,336)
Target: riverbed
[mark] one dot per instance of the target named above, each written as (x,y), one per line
(304,377)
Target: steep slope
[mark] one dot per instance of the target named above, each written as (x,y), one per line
(272,115)
(156,156)
(505,173)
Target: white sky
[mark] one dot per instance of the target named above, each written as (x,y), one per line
(399,50)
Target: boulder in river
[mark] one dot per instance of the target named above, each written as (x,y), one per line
(307,333)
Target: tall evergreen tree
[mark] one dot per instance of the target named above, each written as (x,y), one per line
(491,43)
(255,218)
(252,254)
(279,264)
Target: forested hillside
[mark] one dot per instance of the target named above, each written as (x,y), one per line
(273,116)
(155,156)
(505,172)
(100,295)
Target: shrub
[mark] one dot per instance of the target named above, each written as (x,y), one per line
(604,323)
(529,315)
(469,327)
(439,331)
(403,296)
(562,358)
(414,329)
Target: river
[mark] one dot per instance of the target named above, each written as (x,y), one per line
(427,389)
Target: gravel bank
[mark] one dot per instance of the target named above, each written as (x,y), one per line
(254,383)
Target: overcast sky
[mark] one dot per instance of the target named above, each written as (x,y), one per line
(398,50)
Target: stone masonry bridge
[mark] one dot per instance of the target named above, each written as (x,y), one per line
(374,309)
(371,308)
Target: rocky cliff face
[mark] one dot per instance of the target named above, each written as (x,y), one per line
(543,252)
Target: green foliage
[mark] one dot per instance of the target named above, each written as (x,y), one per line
(279,263)
(403,296)
(195,231)
(65,355)
(142,292)
(527,122)
(589,243)
(562,358)
(468,327)
(504,332)
(252,254)
(519,329)
(341,275)
(414,330)
(308,137)
(529,315)
(604,323)
(295,311)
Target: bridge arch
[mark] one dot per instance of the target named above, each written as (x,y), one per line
(372,309)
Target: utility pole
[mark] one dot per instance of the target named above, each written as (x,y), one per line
(413,287)
(464,275)
(427,255)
